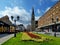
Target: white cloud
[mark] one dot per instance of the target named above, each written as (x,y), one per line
(37,17)
(16,11)
(38,11)
(25,17)
(40,2)
(47,9)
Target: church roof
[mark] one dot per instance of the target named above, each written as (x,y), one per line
(6,20)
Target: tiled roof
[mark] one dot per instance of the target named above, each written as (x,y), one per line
(6,20)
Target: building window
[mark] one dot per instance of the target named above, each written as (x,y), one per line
(54,9)
(57,7)
(54,13)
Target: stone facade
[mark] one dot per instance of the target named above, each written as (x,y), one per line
(46,19)
(54,12)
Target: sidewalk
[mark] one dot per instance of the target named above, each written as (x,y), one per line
(4,39)
(50,33)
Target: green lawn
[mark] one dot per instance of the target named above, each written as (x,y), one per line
(17,41)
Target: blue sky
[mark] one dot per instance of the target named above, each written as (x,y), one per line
(23,8)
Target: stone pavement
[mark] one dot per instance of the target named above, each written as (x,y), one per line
(50,33)
(5,38)
(3,35)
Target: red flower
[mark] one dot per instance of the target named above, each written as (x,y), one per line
(33,35)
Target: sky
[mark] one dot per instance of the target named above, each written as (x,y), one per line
(23,8)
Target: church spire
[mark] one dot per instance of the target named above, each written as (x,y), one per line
(32,10)
(33,15)
(33,20)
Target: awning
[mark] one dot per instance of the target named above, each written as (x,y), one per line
(48,24)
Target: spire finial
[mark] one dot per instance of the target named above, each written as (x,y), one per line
(33,10)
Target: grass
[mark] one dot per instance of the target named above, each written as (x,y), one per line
(17,41)
(56,40)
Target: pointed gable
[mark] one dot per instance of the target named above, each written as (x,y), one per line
(6,20)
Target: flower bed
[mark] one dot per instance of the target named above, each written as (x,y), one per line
(25,36)
(34,37)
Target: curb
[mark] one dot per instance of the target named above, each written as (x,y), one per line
(4,39)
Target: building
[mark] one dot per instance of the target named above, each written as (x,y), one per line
(49,20)
(20,27)
(28,27)
(6,25)
(36,24)
(32,20)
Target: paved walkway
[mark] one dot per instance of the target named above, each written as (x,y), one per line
(5,38)
(50,33)
(3,35)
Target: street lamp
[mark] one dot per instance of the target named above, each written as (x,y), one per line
(17,18)
(55,26)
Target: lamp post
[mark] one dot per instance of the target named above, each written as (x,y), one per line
(55,26)
(17,18)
